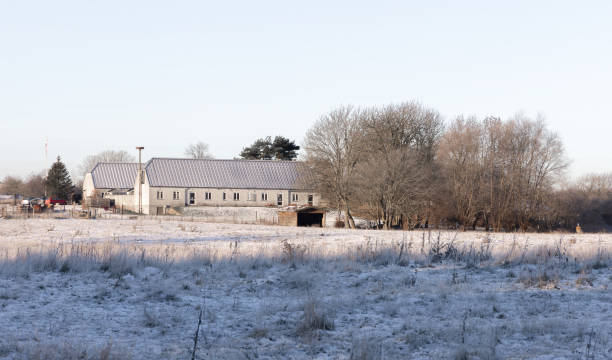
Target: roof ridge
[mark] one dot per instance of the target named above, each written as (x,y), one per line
(117,163)
(117,175)
(243,160)
(94,168)
(224,173)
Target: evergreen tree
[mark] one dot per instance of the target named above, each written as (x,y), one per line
(260,150)
(284,149)
(265,149)
(58,182)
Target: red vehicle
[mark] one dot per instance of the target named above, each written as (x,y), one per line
(51,201)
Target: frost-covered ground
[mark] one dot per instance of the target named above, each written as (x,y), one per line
(114,289)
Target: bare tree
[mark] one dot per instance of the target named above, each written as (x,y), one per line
(388,185)
(596,184)
(588,202)
(34,185)
(333,150)
(501,172)
(198,150)
(385,163)
(527,160)
(461,156)
(11,185)
(395,170)
(108,156)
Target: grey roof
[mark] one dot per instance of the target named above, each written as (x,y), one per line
(231,174)
(114,175)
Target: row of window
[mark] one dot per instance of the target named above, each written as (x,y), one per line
(250,197)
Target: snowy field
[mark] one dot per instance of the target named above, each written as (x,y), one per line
(134,289)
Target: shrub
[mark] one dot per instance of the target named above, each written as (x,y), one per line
(292,253)
(315,318)
(366,348)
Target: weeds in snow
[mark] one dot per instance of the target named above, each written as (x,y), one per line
(71,351)
(315,317)
(365,287)
(366,347)
(121,258)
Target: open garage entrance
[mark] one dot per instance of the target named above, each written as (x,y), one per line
(309,219)
(302,217)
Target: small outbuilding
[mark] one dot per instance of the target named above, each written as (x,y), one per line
(307,216)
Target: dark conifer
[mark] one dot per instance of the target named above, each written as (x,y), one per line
(58,182)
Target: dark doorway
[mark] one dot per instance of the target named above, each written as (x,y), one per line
(191,198)
(308,219)
(279,200)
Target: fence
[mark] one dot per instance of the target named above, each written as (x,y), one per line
(37,212)
(259,216)
(234,215)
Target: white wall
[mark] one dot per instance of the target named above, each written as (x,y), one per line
(88,186)
(216,197)
(150,201)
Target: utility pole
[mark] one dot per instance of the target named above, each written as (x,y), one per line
(140,178)
(46,164)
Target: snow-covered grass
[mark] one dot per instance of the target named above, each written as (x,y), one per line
(115,289)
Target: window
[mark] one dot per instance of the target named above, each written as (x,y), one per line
(191,198)
(207,196)
(160,195)
(294,197)
(175,195)
(310,199)
(224,196)
(279,199)
(236,196)
(264,197)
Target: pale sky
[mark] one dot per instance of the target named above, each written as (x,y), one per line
(93,76)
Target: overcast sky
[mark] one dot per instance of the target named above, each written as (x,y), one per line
(93,76)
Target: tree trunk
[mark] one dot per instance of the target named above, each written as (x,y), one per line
(349,222)
(386,223)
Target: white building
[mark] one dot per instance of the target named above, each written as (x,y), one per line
(107,177)
(175,183)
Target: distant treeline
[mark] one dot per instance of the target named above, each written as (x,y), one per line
(56,183)
(400,166)
(32,186)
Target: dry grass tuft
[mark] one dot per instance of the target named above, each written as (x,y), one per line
(366,348)
(70,351)
(315,318)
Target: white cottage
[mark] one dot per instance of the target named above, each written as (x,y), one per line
(175,183)
(108,177)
